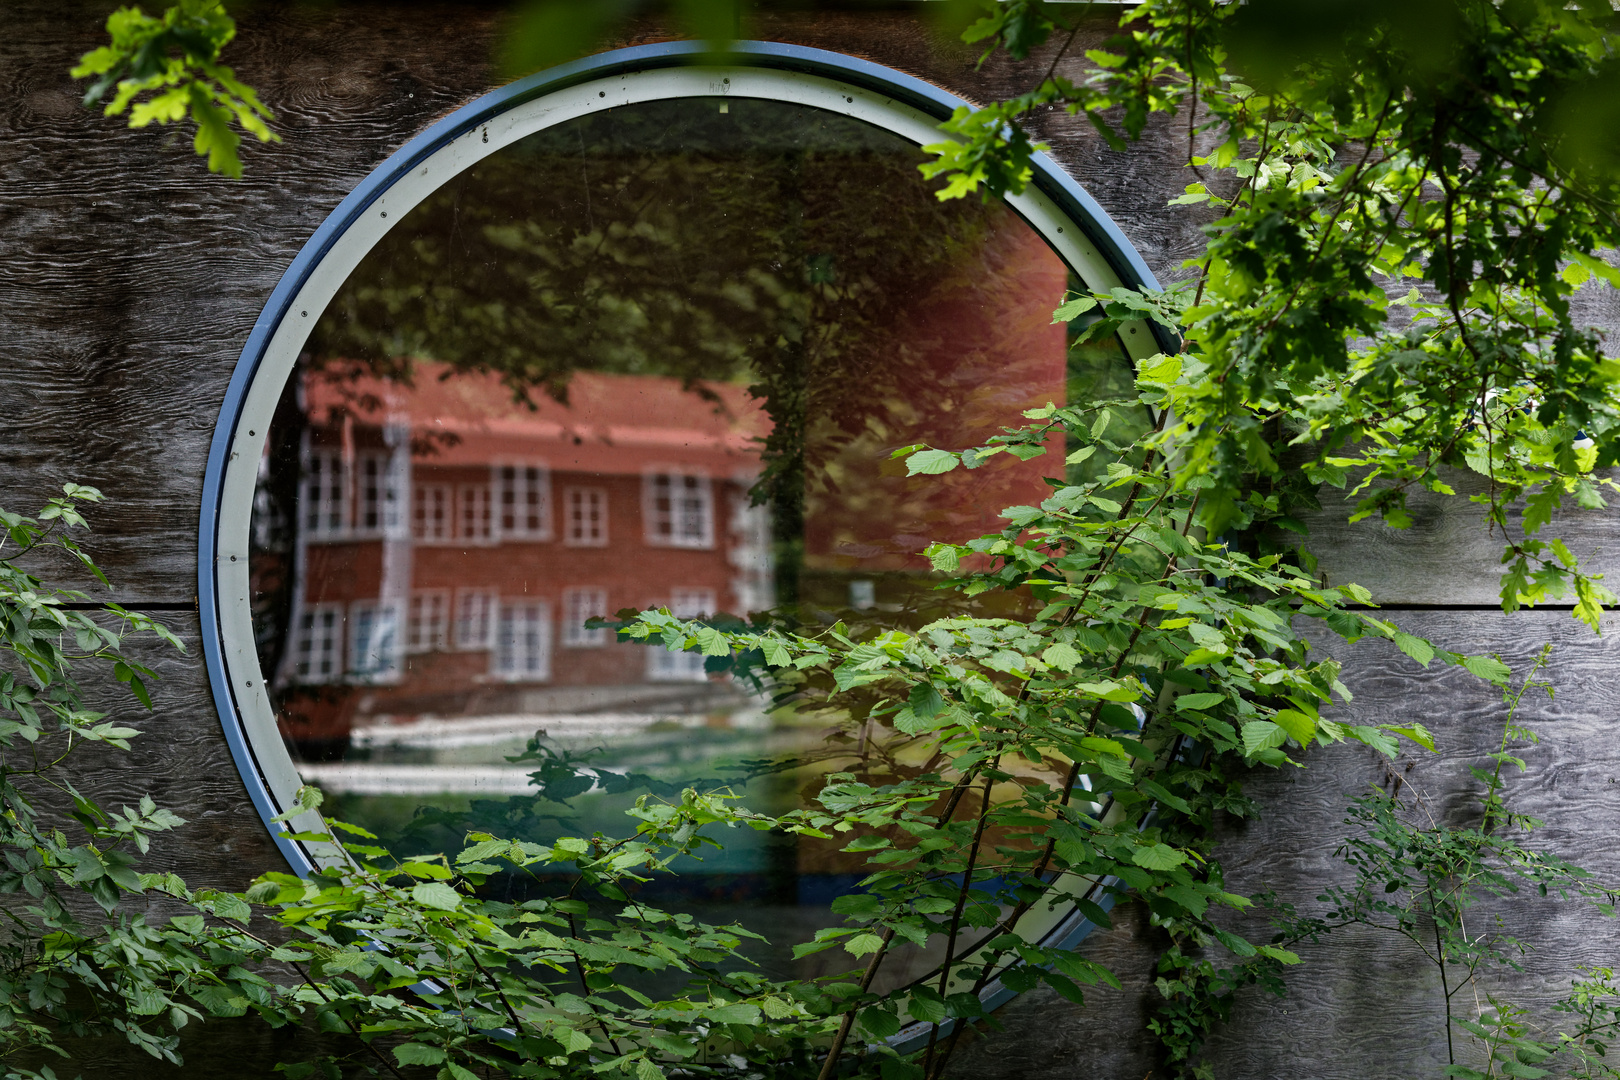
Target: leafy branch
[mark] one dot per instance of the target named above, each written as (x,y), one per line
(174,59)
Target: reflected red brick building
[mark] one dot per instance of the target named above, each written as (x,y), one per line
(451,542)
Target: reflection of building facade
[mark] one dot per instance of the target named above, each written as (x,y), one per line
(446,544)
(449,538)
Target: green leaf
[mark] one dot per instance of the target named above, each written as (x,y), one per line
(1110,690)
(1417,733)
(1415,647)
(1061,655)
(1262,735)
(418,1054)
(433,871)
(1300,727)
(1163,795)
(861,905)
(1488,668)
(1070,310)
(879,1022)
(263,892)
(713,642)
(926,1005)
(776,652)
(229,906)
(931,462)
(1157,857)
(436,895)
(943,558)
(925,701)
(740,1013)
(1198,701)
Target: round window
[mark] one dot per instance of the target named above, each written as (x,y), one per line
(630,334)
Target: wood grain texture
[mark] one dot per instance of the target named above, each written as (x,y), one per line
(1042,1035)
(1372,1012)
(1364,1005)
(181,760)
(129,277)
(1448,555)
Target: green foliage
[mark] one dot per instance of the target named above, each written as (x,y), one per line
(541,33)
(1424,881)
(1048,760)
(174,58)
(1399,207)
(1100,736)
(53,974)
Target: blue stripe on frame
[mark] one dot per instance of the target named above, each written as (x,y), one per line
(1049,178)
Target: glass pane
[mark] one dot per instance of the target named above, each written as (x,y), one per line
(657,356)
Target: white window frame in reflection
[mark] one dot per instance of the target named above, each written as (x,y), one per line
(663,665)
(475,514)
(676,525)
(522,642)
(522,500)
(316,655)
(323,498)
(579,604)
(374,642)
(427,625)
(373,493)
(475,619)
(433,513)
(585,517)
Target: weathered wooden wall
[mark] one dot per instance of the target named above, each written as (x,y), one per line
(129,279)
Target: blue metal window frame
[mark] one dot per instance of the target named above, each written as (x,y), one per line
(1071,198)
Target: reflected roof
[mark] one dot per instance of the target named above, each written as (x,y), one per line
(609,423)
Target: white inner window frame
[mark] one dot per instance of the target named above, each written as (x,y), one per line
(522,500)
(678,508)
(579,603)
(474,619)
(475,514)
(315,648)
(376,640)
(323,496)
(523,641)
(427,622)
(585,517)
(371,493)
(433,513)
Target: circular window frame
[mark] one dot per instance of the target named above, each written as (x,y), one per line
(1054,204)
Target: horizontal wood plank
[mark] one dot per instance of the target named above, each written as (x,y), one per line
(1448,555)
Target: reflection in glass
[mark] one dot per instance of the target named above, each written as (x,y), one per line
(657,356)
